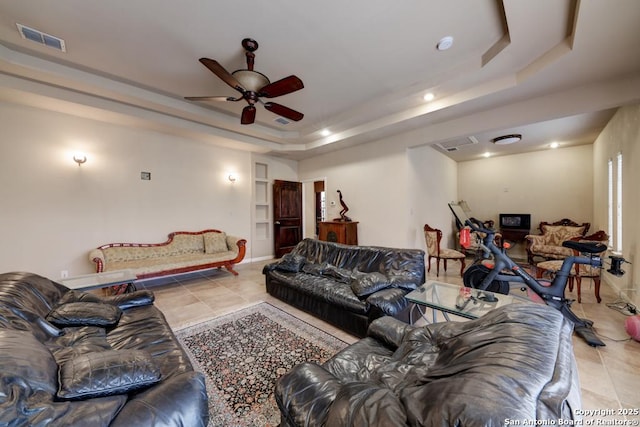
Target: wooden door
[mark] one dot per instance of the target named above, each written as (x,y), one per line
(287,216)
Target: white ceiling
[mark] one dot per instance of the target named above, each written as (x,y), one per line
(548,69)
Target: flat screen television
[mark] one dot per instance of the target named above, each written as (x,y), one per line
(515,221)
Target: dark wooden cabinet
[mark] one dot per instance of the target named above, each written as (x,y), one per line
(514,234)
(339,232)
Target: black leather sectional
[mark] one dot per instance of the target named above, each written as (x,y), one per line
(348,286)
(70,358)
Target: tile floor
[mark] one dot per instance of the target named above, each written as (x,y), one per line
(609,376)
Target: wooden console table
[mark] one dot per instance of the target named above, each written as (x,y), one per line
(339,231)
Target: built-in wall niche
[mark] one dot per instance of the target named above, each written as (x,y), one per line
(261,193)
(262,231)
(261,200)
(262,213)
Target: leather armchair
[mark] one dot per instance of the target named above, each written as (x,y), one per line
(516,362)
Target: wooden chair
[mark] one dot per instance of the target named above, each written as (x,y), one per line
(549,269)
(582,270)
(433,236)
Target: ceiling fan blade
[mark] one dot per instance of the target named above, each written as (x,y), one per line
(223,74)
(281,87)
(248,115)
(212,98)
(283,111)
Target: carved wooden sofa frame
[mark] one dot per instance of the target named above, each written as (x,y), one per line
(187,260)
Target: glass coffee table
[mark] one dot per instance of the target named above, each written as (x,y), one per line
(457,300)
(119,281)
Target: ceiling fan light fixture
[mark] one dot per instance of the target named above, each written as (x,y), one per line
(253,86)
(251,80)
(507,139)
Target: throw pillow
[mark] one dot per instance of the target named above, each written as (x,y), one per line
(291,263)
(106,373)
(407,282)
(367,283)
(314,269)
(215,242)
(77,296)
(84,314)
(340,275)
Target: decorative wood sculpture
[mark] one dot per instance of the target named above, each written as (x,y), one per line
(345,208)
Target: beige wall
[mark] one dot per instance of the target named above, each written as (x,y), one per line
(53,211)
(391,189)
(549,185)
(622,134)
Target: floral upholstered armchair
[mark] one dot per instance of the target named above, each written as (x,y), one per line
(548,244)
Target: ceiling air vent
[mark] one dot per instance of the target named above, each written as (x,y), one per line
(456,144)
(42,38)
(282,121)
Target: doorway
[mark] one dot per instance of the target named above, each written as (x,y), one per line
(287,216)
(315,206)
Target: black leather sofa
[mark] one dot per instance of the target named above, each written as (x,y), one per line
(70,358)
(513,366)
(348,286)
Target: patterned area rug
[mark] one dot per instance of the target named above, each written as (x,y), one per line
(243,353)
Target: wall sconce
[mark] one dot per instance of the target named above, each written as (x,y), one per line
(232,177)
(79,158)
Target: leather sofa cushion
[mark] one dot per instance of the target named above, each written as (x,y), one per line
(77,341)
(84,314)
(173,402)
(106,373)
(493,354)
(364,284)
(374,407)
(291,263)
(322,288)
(25,360)
(122,301)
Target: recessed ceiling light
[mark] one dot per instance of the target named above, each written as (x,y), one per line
(445,43)
(428,96)
(487,154)
(325,132)
(554,144)
(507,139)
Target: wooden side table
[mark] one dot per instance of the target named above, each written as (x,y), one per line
(339,232)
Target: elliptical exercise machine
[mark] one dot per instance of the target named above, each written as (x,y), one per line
(497,278)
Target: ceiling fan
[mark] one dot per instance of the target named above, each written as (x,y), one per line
(253,85)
